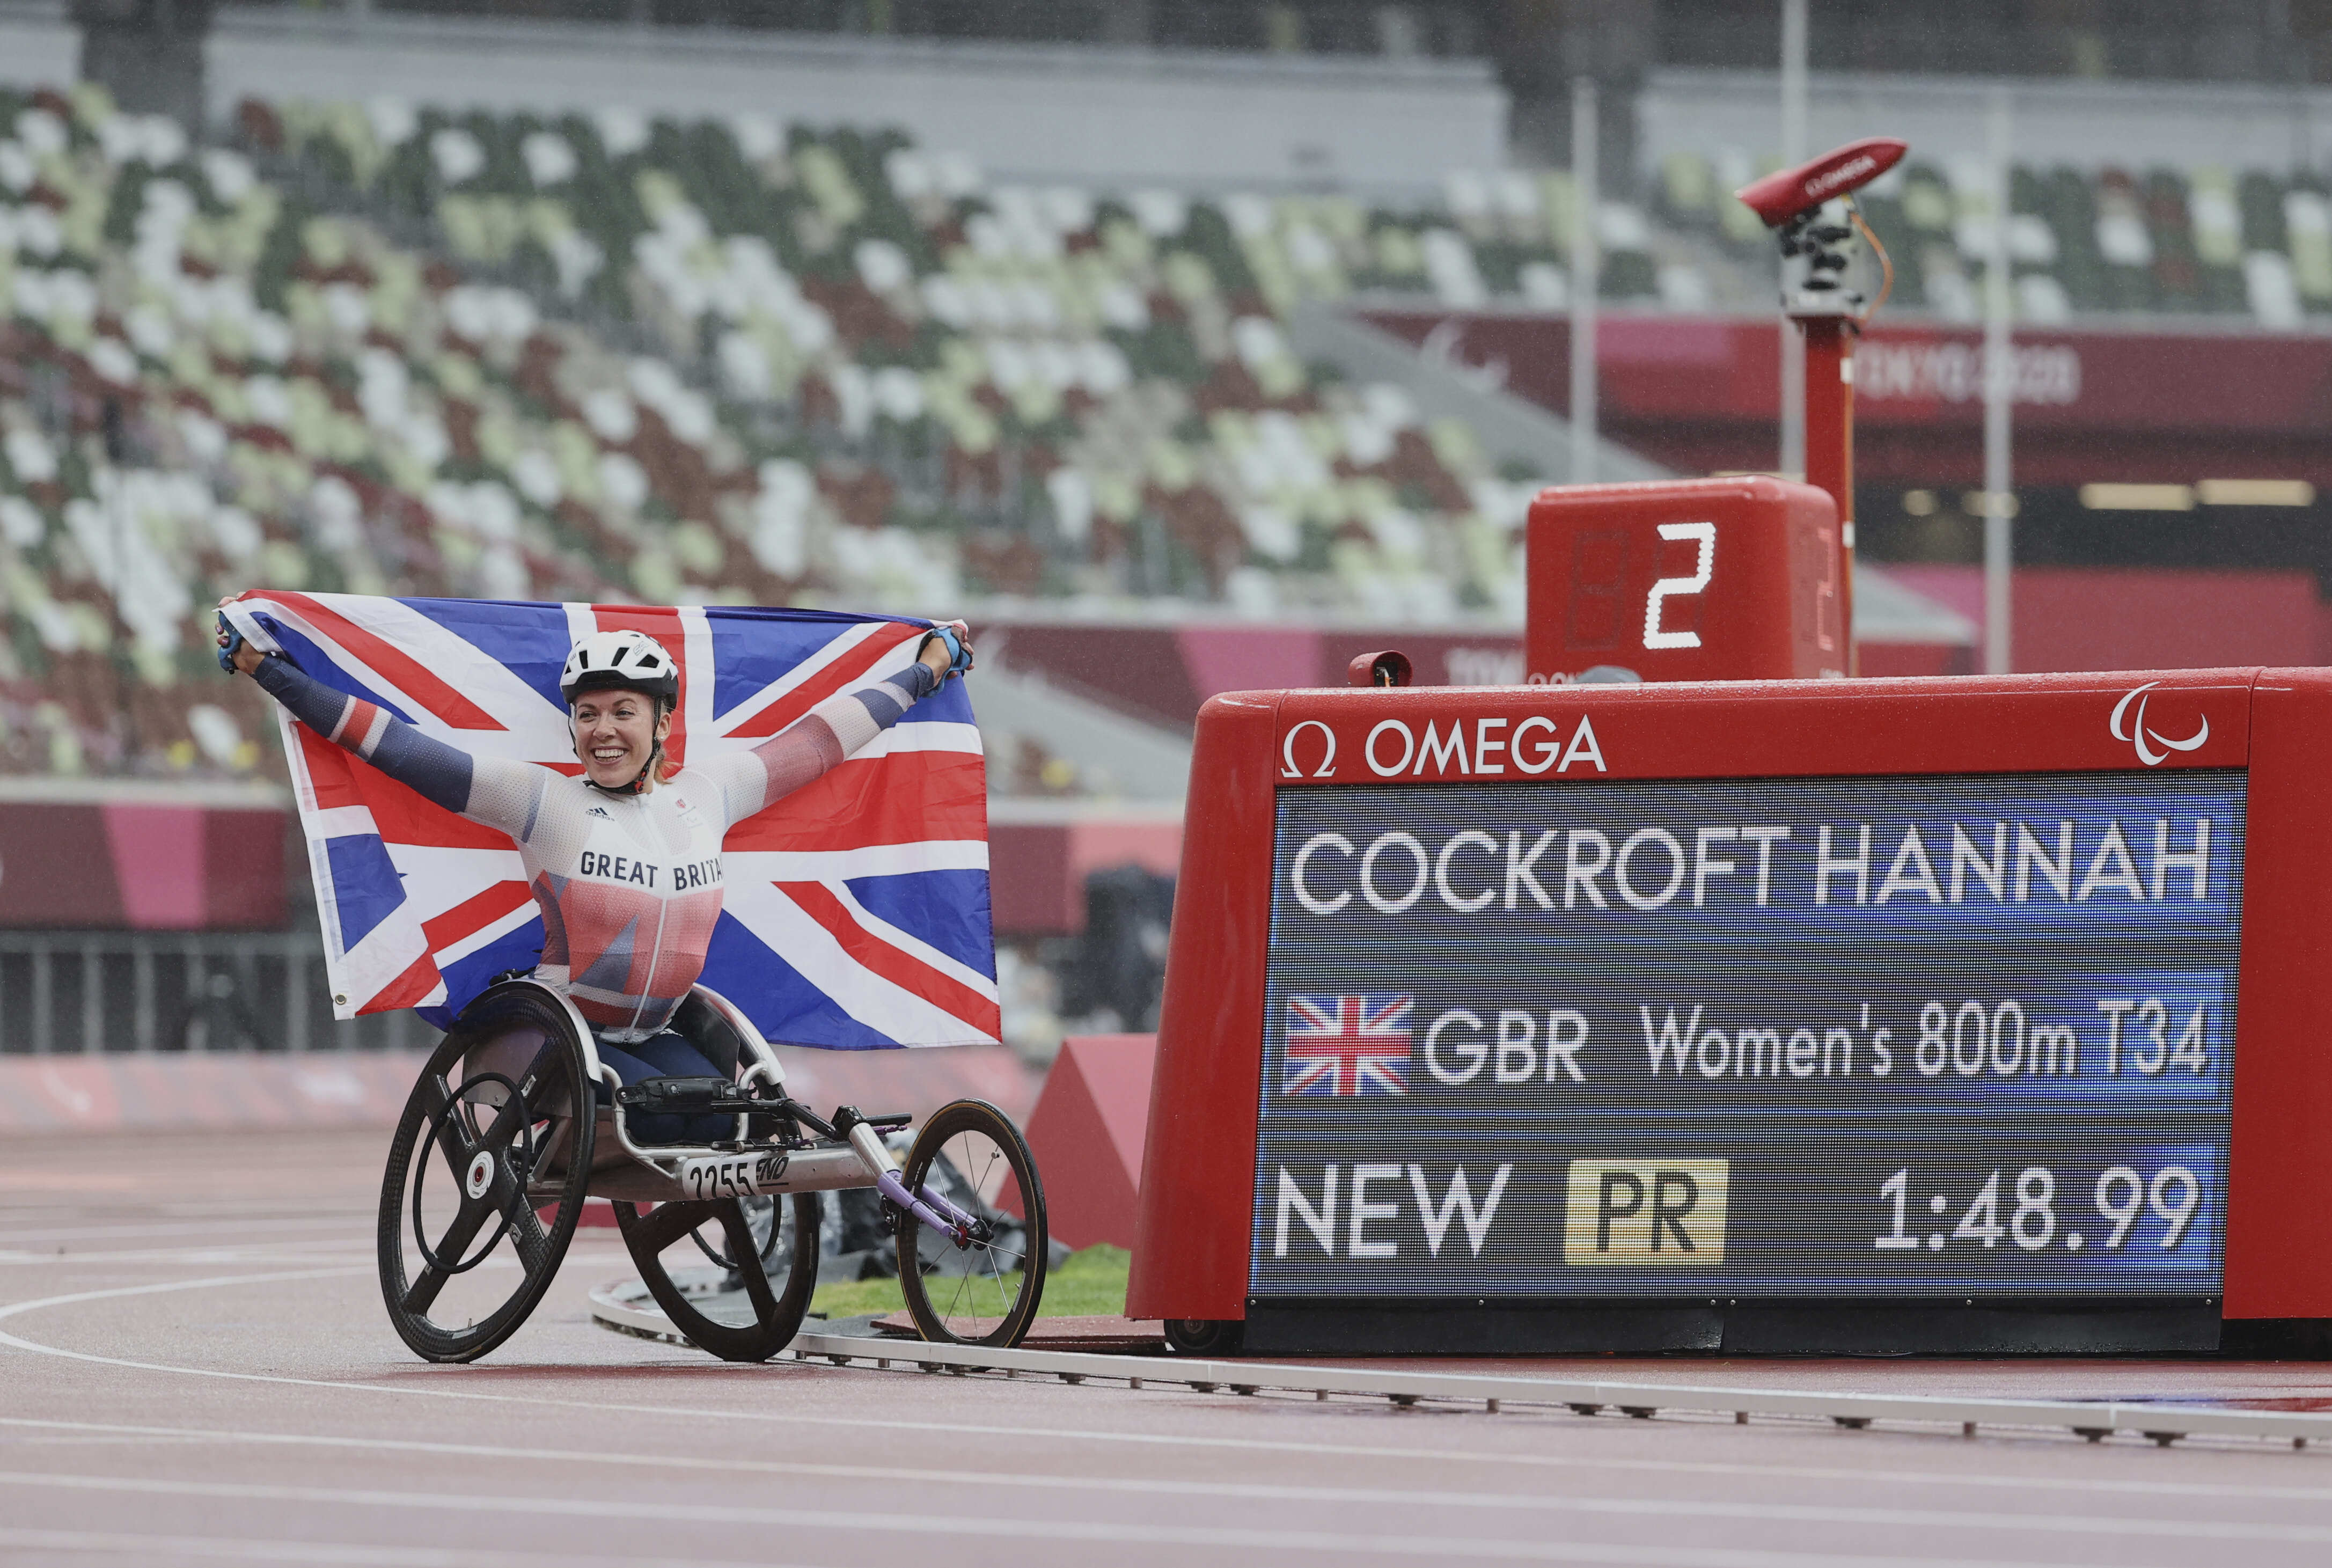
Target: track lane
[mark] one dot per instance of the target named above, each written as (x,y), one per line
(1893,1522)
(1400,1498)
(176,1397)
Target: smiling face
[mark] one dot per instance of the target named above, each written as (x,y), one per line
(616,732)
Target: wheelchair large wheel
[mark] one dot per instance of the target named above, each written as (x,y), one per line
(670,1244)
(985,1291)
(495,1147)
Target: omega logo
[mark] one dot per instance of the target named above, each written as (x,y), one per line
(1477,747)
(1291,768)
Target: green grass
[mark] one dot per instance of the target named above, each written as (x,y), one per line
(1087,1284)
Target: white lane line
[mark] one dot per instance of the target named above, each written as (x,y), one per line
(51,1440)
(187,1257)
(892,1523)
(159,1287)
(1371,1496)
(254,1252)
(1451,1455)
(304,1221)
(170,1548)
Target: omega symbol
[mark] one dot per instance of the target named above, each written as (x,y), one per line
(1291,768)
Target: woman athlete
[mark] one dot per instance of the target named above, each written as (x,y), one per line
(624,861)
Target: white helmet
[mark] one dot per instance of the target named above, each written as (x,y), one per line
(626,661)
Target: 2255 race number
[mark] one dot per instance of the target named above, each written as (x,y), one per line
(737,1176)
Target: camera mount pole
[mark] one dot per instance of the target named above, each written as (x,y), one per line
(1830,333)
(1808,209)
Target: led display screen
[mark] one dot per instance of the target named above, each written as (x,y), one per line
(1925,1037)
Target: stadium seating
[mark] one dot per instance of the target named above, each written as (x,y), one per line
(206,383)
(383,348)
(1010,391)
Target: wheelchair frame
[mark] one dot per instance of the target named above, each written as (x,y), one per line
(853,1154)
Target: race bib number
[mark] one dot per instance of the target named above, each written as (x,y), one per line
(735,1176)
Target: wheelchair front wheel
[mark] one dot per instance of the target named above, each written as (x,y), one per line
(984,1290)
(777,1276)
(495,1146)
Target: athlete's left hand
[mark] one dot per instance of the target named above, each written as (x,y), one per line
(245,657)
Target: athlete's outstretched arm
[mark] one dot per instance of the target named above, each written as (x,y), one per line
(842,724)
(492,791)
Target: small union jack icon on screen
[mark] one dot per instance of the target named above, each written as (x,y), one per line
(1348,1045)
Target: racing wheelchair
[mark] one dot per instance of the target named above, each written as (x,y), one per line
(506,1134)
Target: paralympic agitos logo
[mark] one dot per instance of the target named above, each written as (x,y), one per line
(2152,747)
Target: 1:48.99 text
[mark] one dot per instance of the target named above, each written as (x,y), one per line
(2121,1197)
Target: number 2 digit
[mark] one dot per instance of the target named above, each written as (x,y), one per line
(1703,534)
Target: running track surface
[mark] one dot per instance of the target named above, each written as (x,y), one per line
(196,1368)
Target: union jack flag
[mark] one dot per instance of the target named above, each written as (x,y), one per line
(1347,1044)
(856,913)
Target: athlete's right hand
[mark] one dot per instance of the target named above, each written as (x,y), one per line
(235,656)
(947,650)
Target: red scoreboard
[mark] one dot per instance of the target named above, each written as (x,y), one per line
(1857,1016)
(1697,579)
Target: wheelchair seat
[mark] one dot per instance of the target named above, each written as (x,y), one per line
(715,1034)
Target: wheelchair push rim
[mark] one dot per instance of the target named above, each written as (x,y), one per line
(984,1289)
(486,1176)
